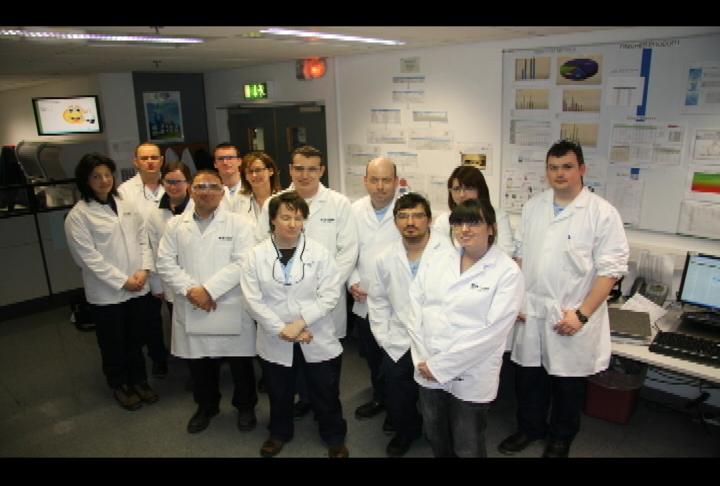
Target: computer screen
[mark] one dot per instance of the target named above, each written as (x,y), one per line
(700,284)
(63,116)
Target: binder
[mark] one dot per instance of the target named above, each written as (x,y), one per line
(630,326)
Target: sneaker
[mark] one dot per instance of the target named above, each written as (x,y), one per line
(159,370)
(127,398)
(246,420)
(300,409)
(201,420)
(369,410)
(146,394)
(339,451)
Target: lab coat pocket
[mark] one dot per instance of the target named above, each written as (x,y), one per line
(578,260)
(222,253)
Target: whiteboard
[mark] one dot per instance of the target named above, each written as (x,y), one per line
(647,114)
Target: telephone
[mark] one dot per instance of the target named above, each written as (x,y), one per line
(655,291)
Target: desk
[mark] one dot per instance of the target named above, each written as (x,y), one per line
(669,322)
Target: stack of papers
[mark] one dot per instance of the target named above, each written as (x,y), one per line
(633,322)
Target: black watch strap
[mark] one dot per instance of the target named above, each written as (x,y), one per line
(581,317)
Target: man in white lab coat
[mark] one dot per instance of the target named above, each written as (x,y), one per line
(227,161)
(572,249)
(199,259)
(390,315)
(146,191)
(376,231)
(330,223)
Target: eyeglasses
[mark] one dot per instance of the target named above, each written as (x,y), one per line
(555,168)
(207,187)
(256,171)
(470,224)
(415,216)
(149,157)
(459,189)
(310,170)
(226,158)
(174,182)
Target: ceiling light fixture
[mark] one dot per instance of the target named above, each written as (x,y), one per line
(71,36)
(325,36)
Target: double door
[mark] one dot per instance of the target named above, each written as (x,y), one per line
(277,131)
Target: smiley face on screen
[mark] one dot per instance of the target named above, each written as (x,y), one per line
(74,114)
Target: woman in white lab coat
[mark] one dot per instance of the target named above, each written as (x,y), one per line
(107,239)
(465,302)
(260,180)
(291,284)
(467,182)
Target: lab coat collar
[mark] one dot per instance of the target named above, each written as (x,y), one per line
(580,201)
(320,196)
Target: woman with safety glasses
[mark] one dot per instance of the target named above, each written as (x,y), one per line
(291,284)
(260,180)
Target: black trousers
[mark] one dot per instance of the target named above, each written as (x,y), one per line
(119,329)
(154,338)
(205,373)
(539,393)
(401,395)
(373,355)
(323,382)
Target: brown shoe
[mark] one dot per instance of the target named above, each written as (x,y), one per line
(146,393)
(271,447)
(338,452)
(127,398)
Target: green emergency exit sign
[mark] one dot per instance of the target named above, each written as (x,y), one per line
(256,91)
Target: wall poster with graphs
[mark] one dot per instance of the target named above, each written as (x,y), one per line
(647,114)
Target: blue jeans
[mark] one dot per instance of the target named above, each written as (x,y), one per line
(454,427)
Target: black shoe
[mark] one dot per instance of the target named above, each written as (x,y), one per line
(201,420)
(261,388)
(515,443)
(398,446)
(146,394)
(388,427)
(369,410)
(271,447)
(127,397)
(246,420)
(557,448)
(300,409)
(159,370)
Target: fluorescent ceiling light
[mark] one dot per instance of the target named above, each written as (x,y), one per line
(72,36)
(338,37)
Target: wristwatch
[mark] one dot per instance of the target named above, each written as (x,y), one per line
(581,317)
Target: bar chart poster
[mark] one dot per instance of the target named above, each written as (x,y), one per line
(586,134)
(532,99)
(531,132)
(532,68)
(584,69)
(582,100)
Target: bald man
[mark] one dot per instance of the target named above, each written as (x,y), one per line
(376,231)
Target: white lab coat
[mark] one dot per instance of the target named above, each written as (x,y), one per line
(155,223)
(231,202)
(504,239)
(134,190)
(389,310)
(373,237)
(186,259)
(312,294)
(331,224)
(561,257)
(108,248)
(461,321)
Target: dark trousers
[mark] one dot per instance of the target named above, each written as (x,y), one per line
(401,395)
(154,338)
(119,329)
(537,391)
(373,355)
(205,373)
(454,427)
(323,382)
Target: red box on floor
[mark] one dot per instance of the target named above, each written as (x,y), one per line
(610,404)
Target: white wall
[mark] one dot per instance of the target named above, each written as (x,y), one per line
(119,116)
(224,88)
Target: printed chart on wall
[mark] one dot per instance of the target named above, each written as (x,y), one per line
(418,136)
(646,113)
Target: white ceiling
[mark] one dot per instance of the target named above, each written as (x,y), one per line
(33,62)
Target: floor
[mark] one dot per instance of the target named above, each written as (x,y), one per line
(54,403)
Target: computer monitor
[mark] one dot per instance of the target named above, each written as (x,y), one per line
(700,284)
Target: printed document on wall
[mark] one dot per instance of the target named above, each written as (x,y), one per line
(702,94)
(624,191)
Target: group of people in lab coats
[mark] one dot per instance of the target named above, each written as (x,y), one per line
(254,271)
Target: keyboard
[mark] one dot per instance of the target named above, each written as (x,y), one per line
(690,348)
(709,319)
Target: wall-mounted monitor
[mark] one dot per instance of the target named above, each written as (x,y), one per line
(67,115)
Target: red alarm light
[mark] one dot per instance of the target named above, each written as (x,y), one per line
(311,68)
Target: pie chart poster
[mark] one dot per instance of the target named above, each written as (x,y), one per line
(580,69)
